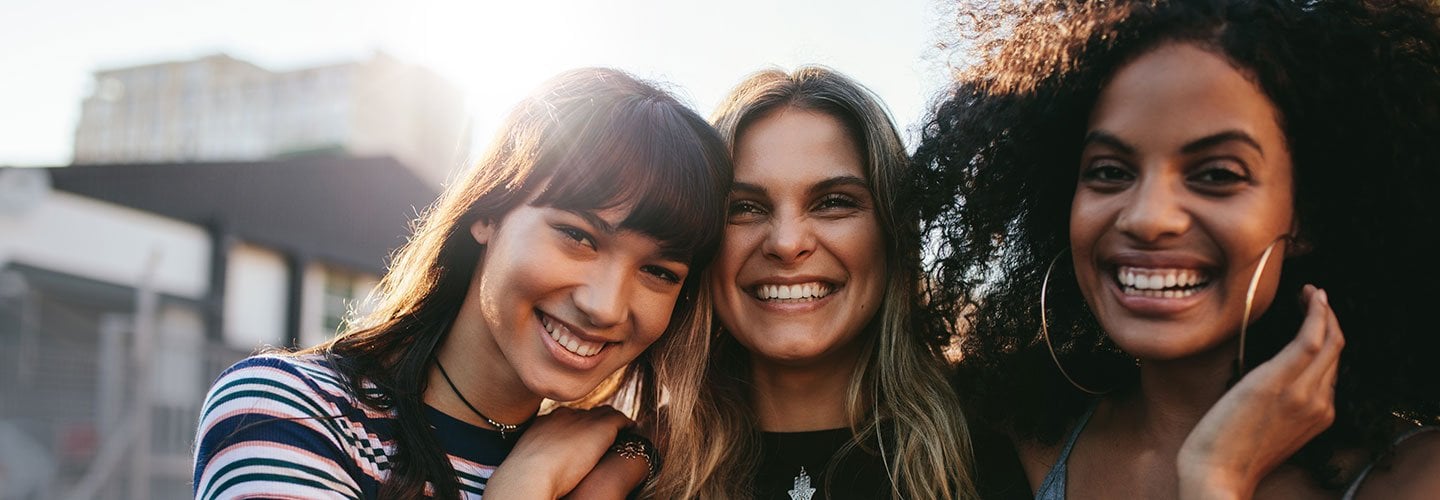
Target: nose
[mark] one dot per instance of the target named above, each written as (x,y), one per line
(1154,210)
(790,240)
(603,298)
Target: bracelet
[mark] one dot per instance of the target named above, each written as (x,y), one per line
(631,446)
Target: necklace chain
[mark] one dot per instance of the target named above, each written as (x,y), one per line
(502,427)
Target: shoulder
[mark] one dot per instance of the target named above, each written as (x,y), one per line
(1037,459)
(1411,470)
(269,426)
(291,385)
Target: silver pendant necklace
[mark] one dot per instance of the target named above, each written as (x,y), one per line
(802,490)
(502,427)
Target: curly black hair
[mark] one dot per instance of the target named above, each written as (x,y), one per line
(1357,87)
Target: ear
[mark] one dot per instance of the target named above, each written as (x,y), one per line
(482,230)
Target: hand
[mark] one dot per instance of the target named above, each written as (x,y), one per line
(613,478)
(556,451)
(1269,414)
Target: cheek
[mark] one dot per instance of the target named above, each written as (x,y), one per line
(1084,237)
(861,247)
(1246,250)
(1087,221)
(652,314)
(739,244)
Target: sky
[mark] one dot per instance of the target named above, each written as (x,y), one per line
(496,51)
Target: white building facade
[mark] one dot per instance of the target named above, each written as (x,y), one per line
(219,108)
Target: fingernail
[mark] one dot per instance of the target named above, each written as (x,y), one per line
(1324,298)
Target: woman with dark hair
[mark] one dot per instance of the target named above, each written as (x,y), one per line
(1131,205)
(553,270)
(818,380)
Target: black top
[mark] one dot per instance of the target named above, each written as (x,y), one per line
(797,465)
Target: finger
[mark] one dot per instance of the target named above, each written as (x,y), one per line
(1291,361)
(1332,372)
(1321,369)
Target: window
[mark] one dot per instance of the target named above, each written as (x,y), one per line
(339,295)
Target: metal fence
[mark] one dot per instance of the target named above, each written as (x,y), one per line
(80,412)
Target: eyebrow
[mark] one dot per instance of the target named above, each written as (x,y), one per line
(746,187)
(825,185)
(843,180)
(1110,140)
(594,220)
(1221,138)
(669,250)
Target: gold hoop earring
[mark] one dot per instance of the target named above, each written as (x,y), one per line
(1045,328)
(1250,299)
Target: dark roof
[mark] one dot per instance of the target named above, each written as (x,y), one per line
(349,211)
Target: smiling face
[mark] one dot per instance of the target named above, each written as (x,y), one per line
(568,297)
(802,268)
(1185,179)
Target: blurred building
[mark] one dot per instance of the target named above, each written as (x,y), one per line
(219,108)
(125,289)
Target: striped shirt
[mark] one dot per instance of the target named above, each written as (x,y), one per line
(289,427)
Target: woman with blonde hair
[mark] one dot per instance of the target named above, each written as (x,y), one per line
(820,379)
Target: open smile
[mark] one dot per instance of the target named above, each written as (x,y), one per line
(571,342)
(1167,283)
(1159,292)
(793,293)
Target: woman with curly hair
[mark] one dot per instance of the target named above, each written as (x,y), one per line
(1131,204)
(565,263)
(816,381)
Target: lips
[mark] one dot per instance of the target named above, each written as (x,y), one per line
(572,343)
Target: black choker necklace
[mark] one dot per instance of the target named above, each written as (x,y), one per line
(503,428)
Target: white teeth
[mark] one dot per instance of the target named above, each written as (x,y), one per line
(1182,282)
(562,336)
(805,291)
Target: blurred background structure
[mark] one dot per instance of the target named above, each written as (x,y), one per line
(182,183)
(125,289)
(221,108)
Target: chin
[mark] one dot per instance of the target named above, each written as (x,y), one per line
(564,390)
(1168,344)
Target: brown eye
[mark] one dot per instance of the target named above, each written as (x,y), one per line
(1219,175)
(576,235)
(662,273)
(1106,173)
(839,201)
(742,210)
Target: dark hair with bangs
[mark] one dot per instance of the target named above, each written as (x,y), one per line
(618,157)
(1357,87)
(588,139)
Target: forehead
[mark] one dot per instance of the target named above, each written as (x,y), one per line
(1177,92)
(793,146)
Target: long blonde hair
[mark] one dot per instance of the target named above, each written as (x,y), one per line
(898,402)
